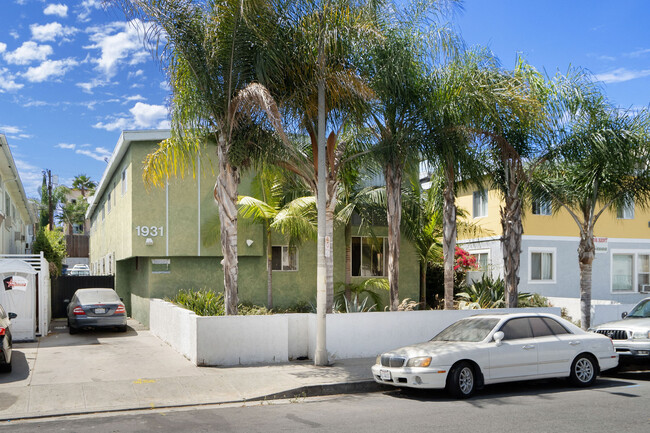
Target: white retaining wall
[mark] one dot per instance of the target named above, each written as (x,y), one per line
(242,340)
(601,310)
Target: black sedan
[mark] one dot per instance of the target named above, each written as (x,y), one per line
(96,308)
(5,340)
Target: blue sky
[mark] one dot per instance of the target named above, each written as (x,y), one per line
(73,76)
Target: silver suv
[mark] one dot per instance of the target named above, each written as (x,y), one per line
(631,336)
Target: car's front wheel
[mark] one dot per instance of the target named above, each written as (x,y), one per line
(584,370)
(461,381)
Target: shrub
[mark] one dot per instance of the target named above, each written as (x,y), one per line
(203,302)
(490,293)
(52,243)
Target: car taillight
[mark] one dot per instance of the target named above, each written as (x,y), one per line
(78,311)
(2,331)
(120,310)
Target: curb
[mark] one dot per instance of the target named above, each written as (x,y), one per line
(300,392)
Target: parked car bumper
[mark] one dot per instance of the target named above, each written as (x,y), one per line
(98,322)
(413,377)
(630,349)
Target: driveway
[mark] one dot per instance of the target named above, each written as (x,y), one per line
(95,356)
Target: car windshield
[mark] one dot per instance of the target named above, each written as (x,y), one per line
(642,309)
(467,330)
(97,296)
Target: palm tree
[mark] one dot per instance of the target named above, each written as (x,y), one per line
(293,219)
(83,184)
(395,66)
(601,163)
(209,56)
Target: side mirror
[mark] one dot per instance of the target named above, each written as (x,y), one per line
(623,314)
(498,336)
(122,299)
(12,315)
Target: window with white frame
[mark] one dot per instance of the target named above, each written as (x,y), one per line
(369,258)
(284,258)
(541,207)
(482,259)
(541,267)
(630,272)
(124,181)
(108,203)
(479,204)
(626,212)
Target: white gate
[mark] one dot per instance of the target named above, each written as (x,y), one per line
(25,290)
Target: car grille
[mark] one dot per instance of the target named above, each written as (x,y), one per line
(392,361)
(614,334)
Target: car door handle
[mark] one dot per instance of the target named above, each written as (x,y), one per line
(528,347)
(574,343)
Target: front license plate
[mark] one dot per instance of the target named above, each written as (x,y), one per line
(100,310)
(385,375)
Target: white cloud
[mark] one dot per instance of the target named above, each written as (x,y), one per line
(50,69)
(28,52)
(7,81)
(622,74)
(86,8)
(99,153)
(56,9)
(135,74)
(31,177)
(51,31)
(134,98)
(66,146)
(142,116)
(8,129)
(639,53)
(3,47)
(120,44)
(14,34)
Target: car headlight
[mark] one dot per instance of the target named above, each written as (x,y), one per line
(420,361)
(378,360)
(637,335)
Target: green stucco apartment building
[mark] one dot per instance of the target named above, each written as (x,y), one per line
(157,241)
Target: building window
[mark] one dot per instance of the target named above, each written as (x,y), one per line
(626,212)
(541,207)
(622,272)
(482,260)
(628,278)
(108,203)
(480,204)
(160,266)
(124,181)
(103,213)
(284,258)
(542,265)
(368,256)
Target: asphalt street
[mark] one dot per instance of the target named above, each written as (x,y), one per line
(614,404)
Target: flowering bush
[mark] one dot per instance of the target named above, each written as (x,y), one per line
(464,261)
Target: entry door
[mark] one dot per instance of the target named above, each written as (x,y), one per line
(516,357)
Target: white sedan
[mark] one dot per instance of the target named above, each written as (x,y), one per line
(493,348)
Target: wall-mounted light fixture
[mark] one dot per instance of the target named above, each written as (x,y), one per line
(148,242)
(249,242)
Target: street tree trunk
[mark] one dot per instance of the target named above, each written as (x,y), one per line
(225,193)
(348,259)
(269,270)
(586,254)
(449,236)
(393,177)
(511,240)
(423,284)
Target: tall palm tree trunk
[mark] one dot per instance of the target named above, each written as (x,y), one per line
(586,254)
(511,242)
(225,193)
(393,178)
(423,284)
(348,259)
(329,256)
(269,269)
(449,237)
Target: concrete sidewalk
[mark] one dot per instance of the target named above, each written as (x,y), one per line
(104,371)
